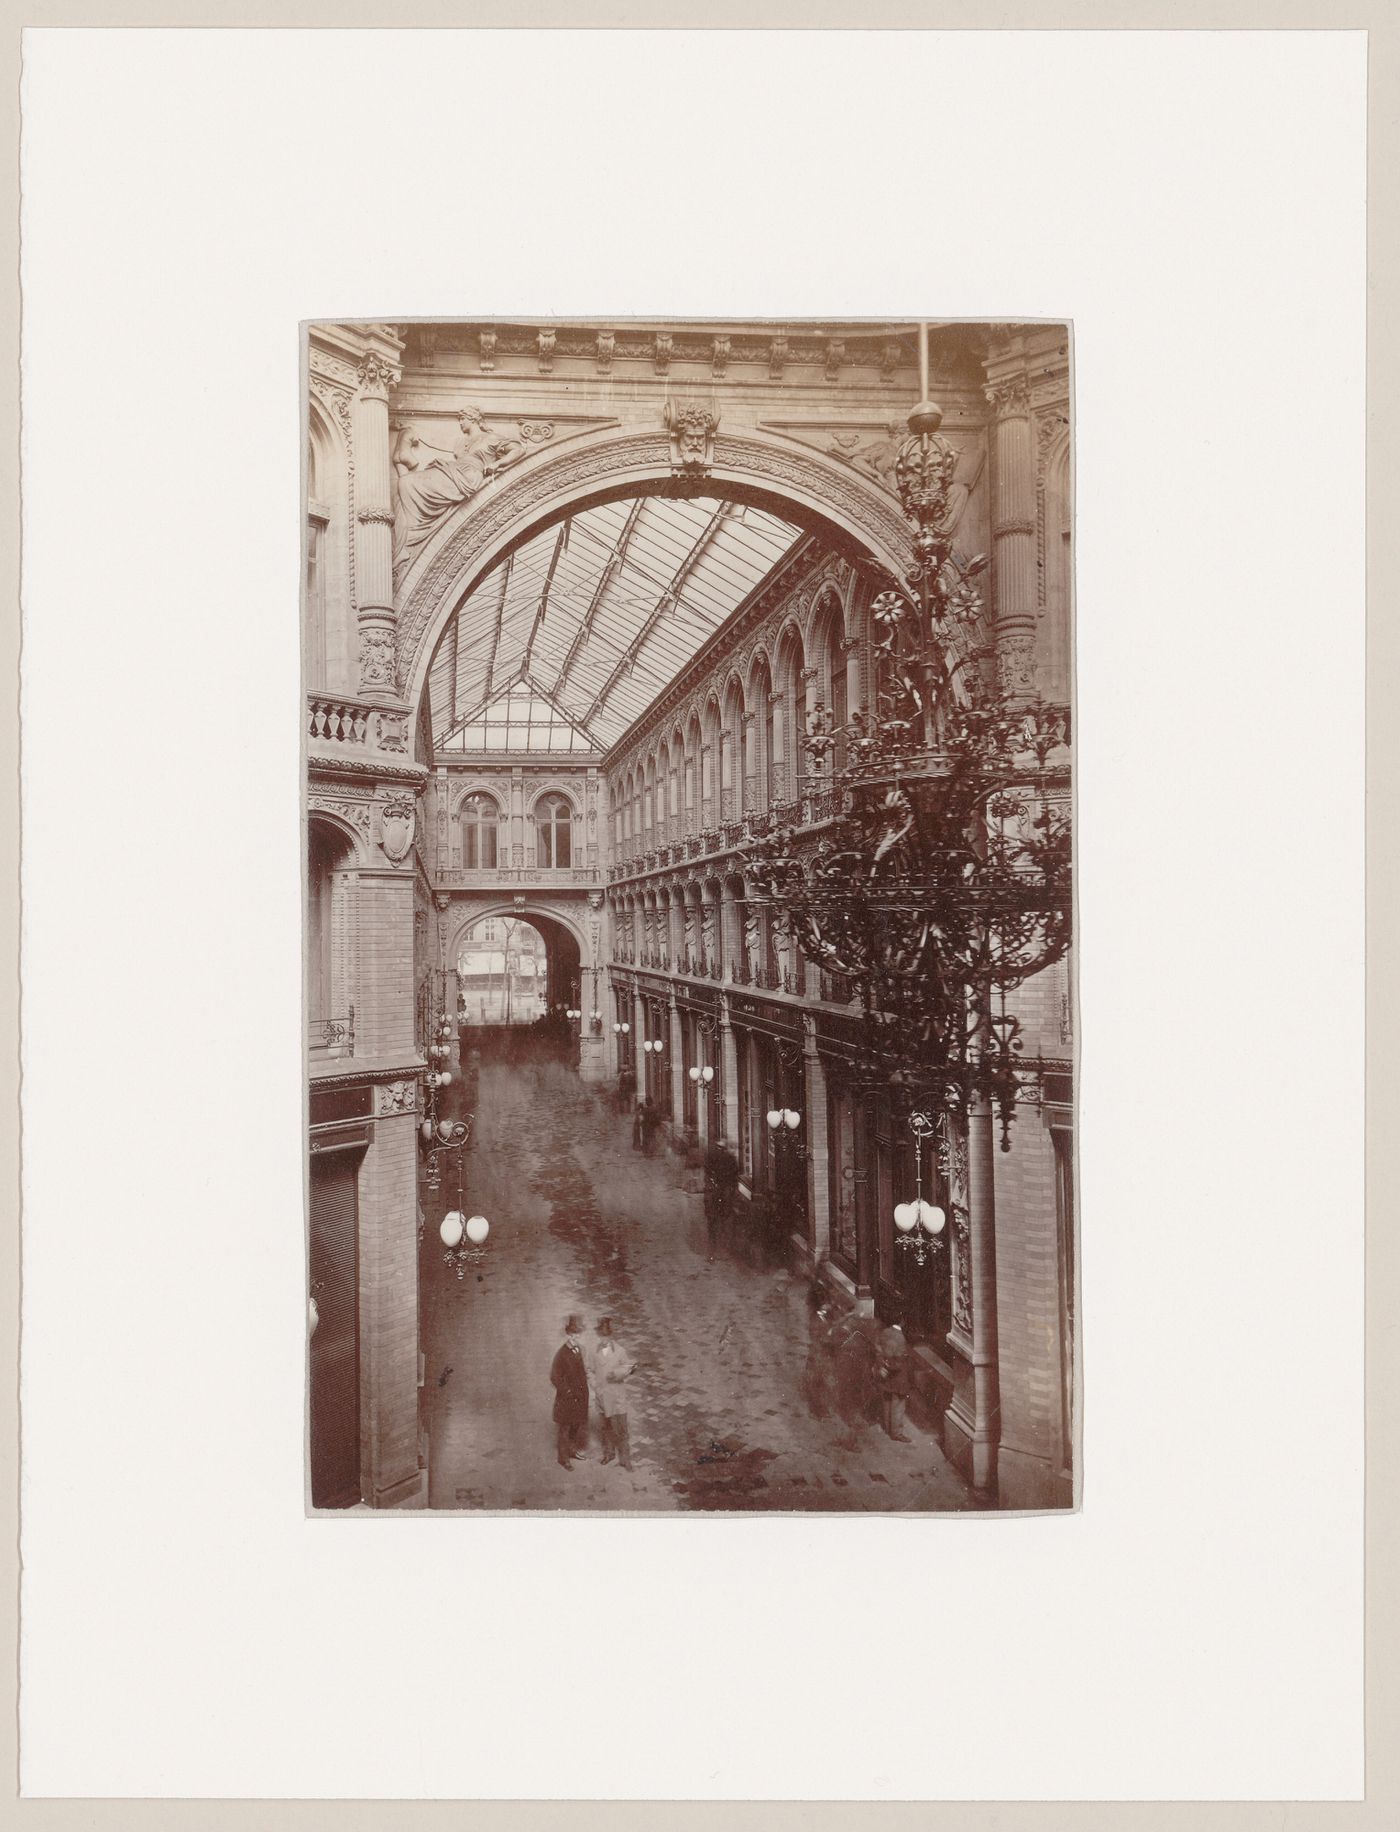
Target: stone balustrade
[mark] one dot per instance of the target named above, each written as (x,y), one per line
(338,726)
(563,877)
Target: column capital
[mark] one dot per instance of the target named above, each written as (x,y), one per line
(1010,397)
(377,375)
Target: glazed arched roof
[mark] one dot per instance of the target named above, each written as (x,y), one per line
(569,640)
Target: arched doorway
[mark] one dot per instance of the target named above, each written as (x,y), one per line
(515,970)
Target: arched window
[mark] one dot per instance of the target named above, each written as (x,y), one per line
(479,817)
(553,824)
(838,679)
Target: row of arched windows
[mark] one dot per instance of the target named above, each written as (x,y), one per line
(746,751)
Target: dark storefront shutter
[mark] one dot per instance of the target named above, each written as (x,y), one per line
(335,1356)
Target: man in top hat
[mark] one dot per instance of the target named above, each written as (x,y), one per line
(569,1377)
(610,1371)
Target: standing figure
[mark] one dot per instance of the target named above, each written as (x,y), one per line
(569,1378)
(817,1375)
(651,1121)
(626,1088)
(637,1125)
(721,1188)
(855,1378)
(611,1369)
(893,1373)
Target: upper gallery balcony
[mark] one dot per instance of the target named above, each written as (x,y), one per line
(346,730)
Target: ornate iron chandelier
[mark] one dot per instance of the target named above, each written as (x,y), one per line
(941,882)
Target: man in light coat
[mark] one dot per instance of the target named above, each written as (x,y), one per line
(611,1369)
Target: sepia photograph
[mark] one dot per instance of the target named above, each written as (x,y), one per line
(690,1000)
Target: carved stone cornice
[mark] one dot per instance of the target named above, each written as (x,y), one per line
(338,767)
(378,1074)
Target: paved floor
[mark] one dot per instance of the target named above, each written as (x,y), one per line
(579,1221)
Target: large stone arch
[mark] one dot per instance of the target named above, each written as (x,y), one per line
(466,914)
(817,493)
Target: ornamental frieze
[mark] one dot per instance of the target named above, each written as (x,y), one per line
(356,812)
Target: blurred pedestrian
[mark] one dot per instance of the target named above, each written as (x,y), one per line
(721,1189)
(651,1121)
(611,1370)
(894,1379)
(855,1377)
(817,1374)
(569,1378)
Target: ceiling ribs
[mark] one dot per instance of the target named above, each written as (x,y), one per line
(669,598)
(452,672)
(500,618)
(650,577)
(605,578)
(543,604)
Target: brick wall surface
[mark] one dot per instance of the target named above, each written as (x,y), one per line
(388,1210)
(384,965)
(1028,1318)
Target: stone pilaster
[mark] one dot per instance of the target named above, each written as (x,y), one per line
(675,1045)
(727,1074)
(374,531)
(971,1442)
(1014,581)
(818,1243)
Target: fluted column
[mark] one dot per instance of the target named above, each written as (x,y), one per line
(374,530)
(1013,532)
